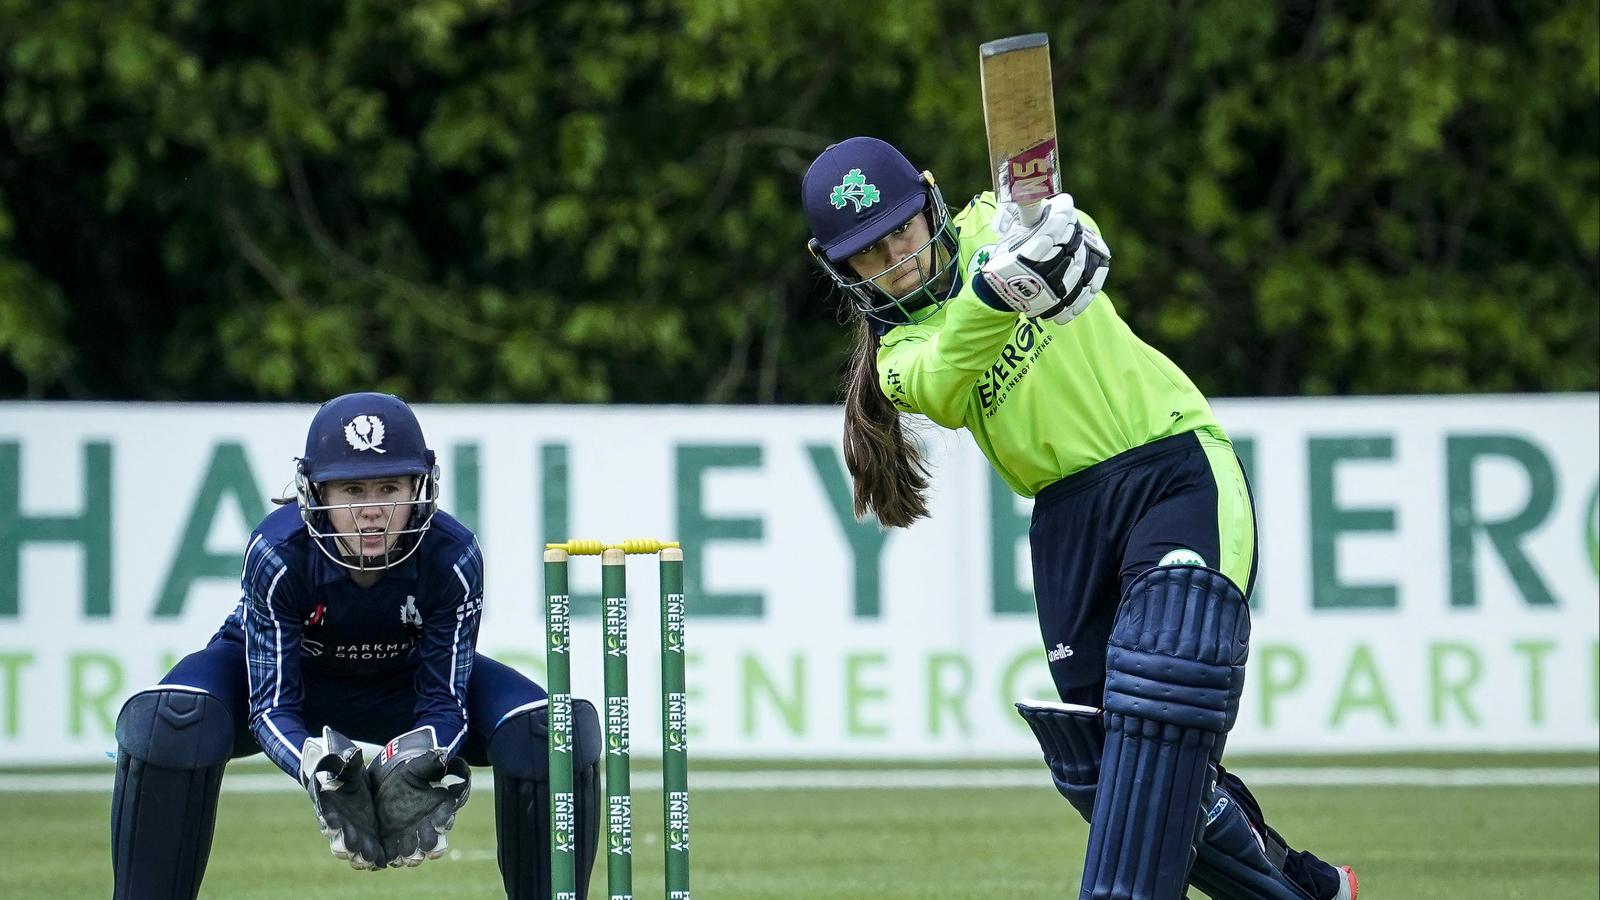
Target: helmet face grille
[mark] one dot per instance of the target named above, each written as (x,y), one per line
(405,521)
(879,305)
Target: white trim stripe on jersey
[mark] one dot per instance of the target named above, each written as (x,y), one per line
(277,651)
(455,654)
(455,642)
(277,640)
(271,726)
(245,575)
(243,609)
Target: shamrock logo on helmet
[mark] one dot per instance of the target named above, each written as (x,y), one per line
(854,189)
(365,433)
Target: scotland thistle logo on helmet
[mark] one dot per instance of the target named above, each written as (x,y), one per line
(365,433)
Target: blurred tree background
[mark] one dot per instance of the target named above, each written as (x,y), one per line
(511,200)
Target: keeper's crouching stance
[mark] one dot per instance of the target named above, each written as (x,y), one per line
(359,622)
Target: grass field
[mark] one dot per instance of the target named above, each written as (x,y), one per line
(1537,841)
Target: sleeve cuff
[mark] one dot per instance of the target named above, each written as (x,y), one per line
(982,290)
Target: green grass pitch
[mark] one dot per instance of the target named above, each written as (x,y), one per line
(1406,842)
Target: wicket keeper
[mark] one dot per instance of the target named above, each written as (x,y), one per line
(358,622)
(1143,532)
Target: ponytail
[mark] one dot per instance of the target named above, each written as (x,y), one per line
(888,470)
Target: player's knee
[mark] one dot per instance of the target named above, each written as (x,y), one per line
(1178,648)
(520,745)
(178,728)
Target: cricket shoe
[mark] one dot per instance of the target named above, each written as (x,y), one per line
(1349,884)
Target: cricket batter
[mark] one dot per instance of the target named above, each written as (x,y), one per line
(1143,534)
(358,621)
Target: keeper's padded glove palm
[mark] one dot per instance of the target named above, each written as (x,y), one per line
(416,791)
(331,771)
(1052,269)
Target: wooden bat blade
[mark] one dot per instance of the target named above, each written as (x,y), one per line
(1019,116)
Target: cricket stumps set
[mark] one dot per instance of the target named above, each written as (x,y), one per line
(617,841)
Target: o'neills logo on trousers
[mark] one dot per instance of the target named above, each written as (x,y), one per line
(1059,652)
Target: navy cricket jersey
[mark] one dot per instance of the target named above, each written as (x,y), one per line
(302,616)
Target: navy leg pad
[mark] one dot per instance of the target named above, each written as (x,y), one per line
(172,746)
(1073,741)
(180,728)
(518,750)
(1174,673)
(1230,862)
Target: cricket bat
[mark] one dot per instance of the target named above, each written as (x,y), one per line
(1019,116)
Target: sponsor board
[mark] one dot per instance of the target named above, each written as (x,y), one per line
(1428,574)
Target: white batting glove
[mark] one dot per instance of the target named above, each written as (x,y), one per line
(1011,228)
(1052,270)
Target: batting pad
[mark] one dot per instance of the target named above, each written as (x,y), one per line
(1234,862)
(1073,741)
(1232,857)
(1174,673)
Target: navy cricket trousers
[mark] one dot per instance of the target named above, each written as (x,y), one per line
(370,710)
(1097,530)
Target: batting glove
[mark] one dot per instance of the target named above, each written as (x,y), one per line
(417,789)
(1052,269)
(331,772)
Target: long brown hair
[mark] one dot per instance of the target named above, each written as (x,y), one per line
(888,469)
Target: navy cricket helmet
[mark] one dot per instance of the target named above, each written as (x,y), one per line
(856,193)
(363,437)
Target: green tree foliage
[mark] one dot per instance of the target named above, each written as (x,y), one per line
(598,201)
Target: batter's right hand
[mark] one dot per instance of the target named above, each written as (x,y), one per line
(331,771)
(1052,269)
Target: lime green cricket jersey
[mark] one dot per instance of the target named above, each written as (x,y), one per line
(1042,400)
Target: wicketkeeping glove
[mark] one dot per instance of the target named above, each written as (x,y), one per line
(1051,270)
(416,791)
(332,773)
